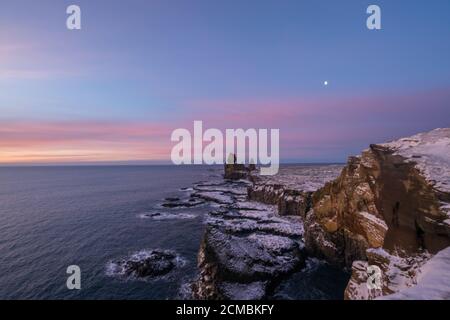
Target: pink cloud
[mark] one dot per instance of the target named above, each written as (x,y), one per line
(82,140)
(254,112)
(322,128)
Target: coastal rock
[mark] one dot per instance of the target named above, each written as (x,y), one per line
(389,207)
(289,202)
(220,197)
(292,188)
(187,203)
(243,266)
(246,247)
(385,199)
(236,171)
(254,239)
(344,220)
(145,264)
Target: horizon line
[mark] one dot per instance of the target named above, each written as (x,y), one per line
(118,164)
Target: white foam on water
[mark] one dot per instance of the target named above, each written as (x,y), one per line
(116,268)
(160,216)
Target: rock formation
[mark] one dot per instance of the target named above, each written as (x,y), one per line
(145,264)
(246,247)
(292,188)
(235,171)
(389,207)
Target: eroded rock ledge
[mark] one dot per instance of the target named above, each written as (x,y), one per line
(389,207)
(247,247)
(292,188)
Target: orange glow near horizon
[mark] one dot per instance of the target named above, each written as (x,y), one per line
(64,142)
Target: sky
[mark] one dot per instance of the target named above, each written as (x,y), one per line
(138,69)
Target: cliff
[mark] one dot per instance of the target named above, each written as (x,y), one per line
(246,248)
(292,188)
(388,207)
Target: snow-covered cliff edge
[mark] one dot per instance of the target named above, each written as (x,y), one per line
(390,208)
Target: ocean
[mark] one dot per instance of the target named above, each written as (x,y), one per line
(54,217)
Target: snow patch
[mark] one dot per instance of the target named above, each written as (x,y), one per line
(372,218)
(433,281)
(430,152)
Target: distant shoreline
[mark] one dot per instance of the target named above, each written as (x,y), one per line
(148,165)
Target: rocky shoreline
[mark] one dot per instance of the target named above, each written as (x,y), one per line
(247,248)
(388,207)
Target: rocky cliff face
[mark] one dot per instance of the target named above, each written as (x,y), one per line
(246,248)
(292,188)
(344,220)
(388,207)
(288,201)
(393,199)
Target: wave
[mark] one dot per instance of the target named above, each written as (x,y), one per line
(159,216)
(146,264)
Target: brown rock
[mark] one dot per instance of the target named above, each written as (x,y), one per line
(381,199)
